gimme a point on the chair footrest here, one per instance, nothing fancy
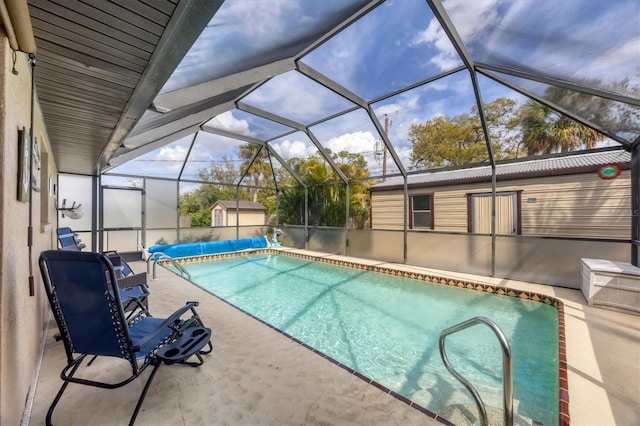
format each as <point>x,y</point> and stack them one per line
<point>192,340</point>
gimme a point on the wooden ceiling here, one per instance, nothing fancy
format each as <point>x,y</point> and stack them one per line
<point>100,64</point>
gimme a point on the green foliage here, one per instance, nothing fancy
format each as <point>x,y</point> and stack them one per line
<point>529,130</point>
<point>457,141</point>
<point>197,204</point>
<point>326,198</point>
<point>256,166</point>
<point>545,131</point>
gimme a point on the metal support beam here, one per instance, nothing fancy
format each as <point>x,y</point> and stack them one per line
<point>492,162</point>
<point>184,27</point>
<point>554,106</point>
<point>635,205</point>
<point>346,225</point>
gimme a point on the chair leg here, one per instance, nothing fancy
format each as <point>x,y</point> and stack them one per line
<point>156,365</point>
<point>92,359</point>
<point>59,395</point>
<point>208,351</point>
<point>193,363</point>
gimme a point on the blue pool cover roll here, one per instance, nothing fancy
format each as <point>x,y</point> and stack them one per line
<point>208,247</point>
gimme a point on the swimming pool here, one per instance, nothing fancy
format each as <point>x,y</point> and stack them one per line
<point>387,328</point>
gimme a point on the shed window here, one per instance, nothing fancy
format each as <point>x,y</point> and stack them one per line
<point>422,211</point>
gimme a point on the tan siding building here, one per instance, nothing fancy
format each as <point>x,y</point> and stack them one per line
<point>223,213</point>
<point>561,201</point>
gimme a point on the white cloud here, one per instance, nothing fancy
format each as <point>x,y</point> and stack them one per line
<point>169,153</point>
<point>471,19</point>
<point>288,149</point>
<point>226,121</point>
<point>260,22</point>
<point>357,142</point>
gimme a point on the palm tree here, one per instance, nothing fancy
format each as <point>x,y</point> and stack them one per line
<point>545,131</point>
<point>260,168</point>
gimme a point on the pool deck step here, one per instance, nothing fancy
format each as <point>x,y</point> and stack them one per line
<point>467,414</point>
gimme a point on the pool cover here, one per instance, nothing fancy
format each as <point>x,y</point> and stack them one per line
<point>208,247</point>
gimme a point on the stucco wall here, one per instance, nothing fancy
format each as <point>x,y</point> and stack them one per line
<point>22,316</point>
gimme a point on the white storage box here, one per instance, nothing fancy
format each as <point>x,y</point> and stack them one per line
<point>609,283</point>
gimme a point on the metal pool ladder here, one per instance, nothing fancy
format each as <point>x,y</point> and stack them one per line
<point>506,367</point>
<point>161,256</point>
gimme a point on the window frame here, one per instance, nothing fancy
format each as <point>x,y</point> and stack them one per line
<point>517,208</point>
<point>412,211</point>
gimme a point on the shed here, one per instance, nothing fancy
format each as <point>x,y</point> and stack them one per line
<point>557,195</point>
<point>232,213</point>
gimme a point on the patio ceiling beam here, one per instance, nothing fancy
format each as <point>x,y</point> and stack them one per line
<point>418,84</point>
<point>184,27</point>
<point>194,120</point>
<point>330,84</point>
<point>386,140</point>
<point>278,119</point>
<point>326,156</point>
<point>130,154</point>
<point>198,92</point>
<point>368,7</point>
<point>186,158</point>
<point>195,113</point>
<point>286,165</point>
<point>270,116</point>
<point>541,78</point>
<point>442,16</point>
<point>228,134</point>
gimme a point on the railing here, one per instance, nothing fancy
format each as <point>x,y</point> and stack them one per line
<point>161,256</point>
<point>506,368</point>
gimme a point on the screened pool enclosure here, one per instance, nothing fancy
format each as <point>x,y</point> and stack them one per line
<point>310,108</point>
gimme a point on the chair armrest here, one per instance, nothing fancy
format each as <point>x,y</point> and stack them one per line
<point>165,324</point>
<point>131,280</point>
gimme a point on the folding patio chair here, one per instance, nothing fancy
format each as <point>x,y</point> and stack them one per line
<point>83,294</point>
<point>68,239</point>
<point>134,291</point>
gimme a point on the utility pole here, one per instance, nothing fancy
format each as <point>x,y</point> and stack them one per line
<point>387,123</point>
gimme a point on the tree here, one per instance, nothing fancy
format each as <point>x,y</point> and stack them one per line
<point>197,204</point>
<point>326,193</point>
<point>457,141</point>
<point>256,157</point>
<point>545,130</point>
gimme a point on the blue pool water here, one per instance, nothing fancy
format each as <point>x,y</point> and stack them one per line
<point>387,328</point>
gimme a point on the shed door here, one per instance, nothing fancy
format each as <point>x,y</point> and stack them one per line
<point>506,213</point>
<point>217,218</point>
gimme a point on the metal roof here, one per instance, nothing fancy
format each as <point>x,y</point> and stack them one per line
<point>556,165</point>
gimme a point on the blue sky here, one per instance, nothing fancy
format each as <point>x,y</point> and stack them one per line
<point>398,44</point>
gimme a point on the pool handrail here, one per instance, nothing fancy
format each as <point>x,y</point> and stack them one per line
<point>161,256</point>
<point>506,367</point>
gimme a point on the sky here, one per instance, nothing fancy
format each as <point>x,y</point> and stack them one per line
<point>399,43</point>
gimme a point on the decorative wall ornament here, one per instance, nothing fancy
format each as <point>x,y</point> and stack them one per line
<point>609,171</point>
<point>24,172</point>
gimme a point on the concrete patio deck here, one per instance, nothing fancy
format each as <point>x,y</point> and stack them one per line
<point>257,376</point>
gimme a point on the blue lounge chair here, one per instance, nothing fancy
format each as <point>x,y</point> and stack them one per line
<point>134,291</point>
<point>83,295</point>
<point>68,239</point>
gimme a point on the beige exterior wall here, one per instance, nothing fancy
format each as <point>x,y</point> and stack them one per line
<point>572,205</point>
<point>22,317</point>
<point>247,217</point>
